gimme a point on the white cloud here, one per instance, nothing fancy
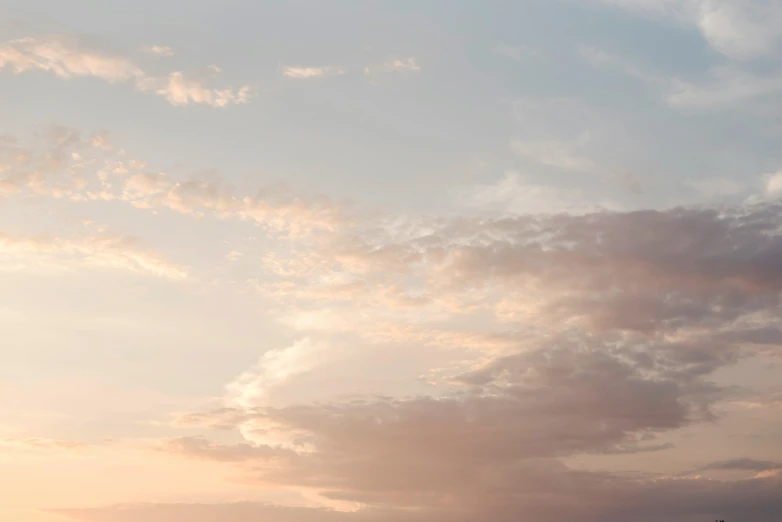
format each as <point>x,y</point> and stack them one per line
<point>312,72</point>
<point>66,58</point>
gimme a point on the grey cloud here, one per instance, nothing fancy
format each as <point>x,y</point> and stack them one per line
<point>202,448</point>
<point>662,298</point>
<point>557,497</point>
<point>742,464</point>
<point>518,413</point>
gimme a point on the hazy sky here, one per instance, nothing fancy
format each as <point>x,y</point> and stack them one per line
<point>390,261</point>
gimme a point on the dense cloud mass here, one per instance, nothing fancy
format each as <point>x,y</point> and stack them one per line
<point>639,310</point>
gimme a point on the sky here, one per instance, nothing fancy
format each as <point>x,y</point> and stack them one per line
<point>390,261</point>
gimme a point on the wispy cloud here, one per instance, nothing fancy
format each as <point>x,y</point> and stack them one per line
<point>312,72</point>
<point>66,58</point>
<point>160,51</point>
<point>724,86</point>
<point>106,251</point>
<point>409,64</point>
<point>39,444</point>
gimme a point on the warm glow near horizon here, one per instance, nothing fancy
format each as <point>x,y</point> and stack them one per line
<point>391,261</point>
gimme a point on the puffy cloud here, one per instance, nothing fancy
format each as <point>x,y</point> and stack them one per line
<point>65,57</point>
<point>496,434</point>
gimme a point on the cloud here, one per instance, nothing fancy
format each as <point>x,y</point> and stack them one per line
<point>512,194</point>
<point>312,72</point>
<point>741,464</point>
<point>275,206</point>
<point>39,444</point>
<point>275,367</point>
<point>600,334</point>
<point>774,183</point>
<point>739,29</point>
<point>159,50</point>
<point>52,166</point>
<point>717,187</point>
<point>62,163</point>
<point>548,495</point>
<point>408,64</point>
<point>721,86</point>
<point>106,252</point>
<point>726,86</point>
<point>595,56</point>
<point>201,448</point>
<point>181,90</point>
<point>65,57</point>
<point>568,135</point>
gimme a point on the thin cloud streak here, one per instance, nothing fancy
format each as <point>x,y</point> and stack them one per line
<point>64,57</point>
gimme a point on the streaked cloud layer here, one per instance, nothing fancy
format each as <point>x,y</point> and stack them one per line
<point>443,264</point>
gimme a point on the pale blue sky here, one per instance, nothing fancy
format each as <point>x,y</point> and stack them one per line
<point>350,138</point>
